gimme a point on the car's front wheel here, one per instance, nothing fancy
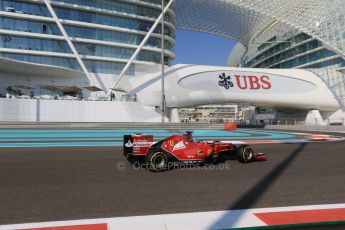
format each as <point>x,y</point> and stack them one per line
<point>245,154</point>
<point>157,161</point>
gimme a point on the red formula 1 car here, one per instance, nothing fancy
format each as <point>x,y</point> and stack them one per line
<point>183,149</point>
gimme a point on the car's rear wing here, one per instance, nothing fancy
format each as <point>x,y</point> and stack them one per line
<point>136,144</point>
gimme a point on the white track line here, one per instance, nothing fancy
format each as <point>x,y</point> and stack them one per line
<point>194,221</point>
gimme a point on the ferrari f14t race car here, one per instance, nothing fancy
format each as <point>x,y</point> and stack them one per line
<point>183,149</point>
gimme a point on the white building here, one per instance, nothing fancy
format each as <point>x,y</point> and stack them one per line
<point>88,43</point>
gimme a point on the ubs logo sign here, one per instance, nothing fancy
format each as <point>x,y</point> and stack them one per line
<point>243,82</point>
<point>225,81</point>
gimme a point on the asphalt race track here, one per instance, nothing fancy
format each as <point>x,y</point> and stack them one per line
<point>64,183</point>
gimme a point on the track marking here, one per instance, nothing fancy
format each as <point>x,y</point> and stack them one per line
<point>75,227</point>
<point>300,217</point>
<point>111,138</point>
<point>197,220</point>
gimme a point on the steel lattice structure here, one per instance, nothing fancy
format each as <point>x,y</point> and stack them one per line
<point>241,20</point>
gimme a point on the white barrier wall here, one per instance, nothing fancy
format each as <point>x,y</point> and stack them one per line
<point>35,110</point>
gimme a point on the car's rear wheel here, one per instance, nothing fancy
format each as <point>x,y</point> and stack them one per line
<point>245,154</point>
<point>157,161</point>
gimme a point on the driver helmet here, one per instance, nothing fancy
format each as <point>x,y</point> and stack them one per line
<point>189,135</point>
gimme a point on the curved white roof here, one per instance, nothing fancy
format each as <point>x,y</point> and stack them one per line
<point>192,85</point>
<point>242,19</point>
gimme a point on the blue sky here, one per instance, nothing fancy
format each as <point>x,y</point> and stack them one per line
<point>201,48</point>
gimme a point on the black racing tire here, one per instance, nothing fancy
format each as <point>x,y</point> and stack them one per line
<point>156,161</point>
<point>245,154</point>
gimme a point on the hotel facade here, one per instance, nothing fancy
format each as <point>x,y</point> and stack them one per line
<point>50,47</point>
